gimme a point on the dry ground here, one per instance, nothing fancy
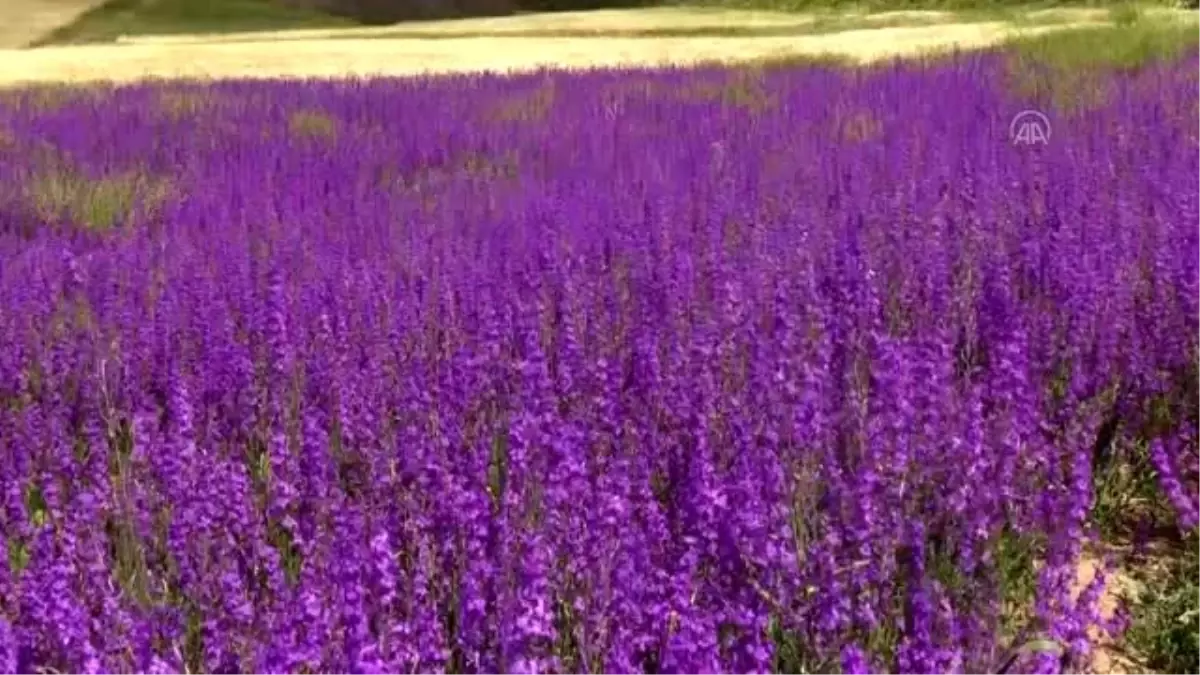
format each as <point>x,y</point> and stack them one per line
<point>494,44</point>
<point>599,21</point>
<point>1107,657</point>
<point>650,19</point>
<point>374,56</point>
<point>23,21</point>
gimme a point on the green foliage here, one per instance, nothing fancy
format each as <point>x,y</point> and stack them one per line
<point>60,195</point>
<point>1165,629</point>
<point>1125,489</point>
<point>1124,14</point>
<point>1016,559</point>
<point>1068,69</point>
<point>1113,46</point>
<point>894,5</point>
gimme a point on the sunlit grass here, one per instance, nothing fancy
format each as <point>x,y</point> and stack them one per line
<point>64,196</point>
<point>1068,69</point>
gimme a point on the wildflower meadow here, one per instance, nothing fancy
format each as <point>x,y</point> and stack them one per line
<point>776,369</point>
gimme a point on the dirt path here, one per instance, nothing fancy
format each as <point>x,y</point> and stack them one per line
<point>1107,658</point>
<point>24,21</point>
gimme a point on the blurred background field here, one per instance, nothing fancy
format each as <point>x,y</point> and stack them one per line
<point>605,38</point>
<point>100,21</point>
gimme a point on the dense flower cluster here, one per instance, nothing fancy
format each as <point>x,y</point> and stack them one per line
<point>675,372</point>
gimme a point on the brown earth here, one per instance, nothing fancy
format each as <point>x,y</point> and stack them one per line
<point>1107,657</point>
<point>26,20</point>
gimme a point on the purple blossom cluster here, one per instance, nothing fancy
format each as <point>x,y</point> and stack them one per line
<point>684,371</point>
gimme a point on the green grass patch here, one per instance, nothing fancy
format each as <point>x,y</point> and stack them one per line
<point>908,5</point>
<point>1070,70</point>
<point>1132,41</point>
<point>153,17</point>
<point>1124,14</point>
<point>1165,627</point>
<point>62,196</point>
<point>1126,490</point>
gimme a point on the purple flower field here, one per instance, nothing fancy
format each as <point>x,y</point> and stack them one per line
<point>689,371</point>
